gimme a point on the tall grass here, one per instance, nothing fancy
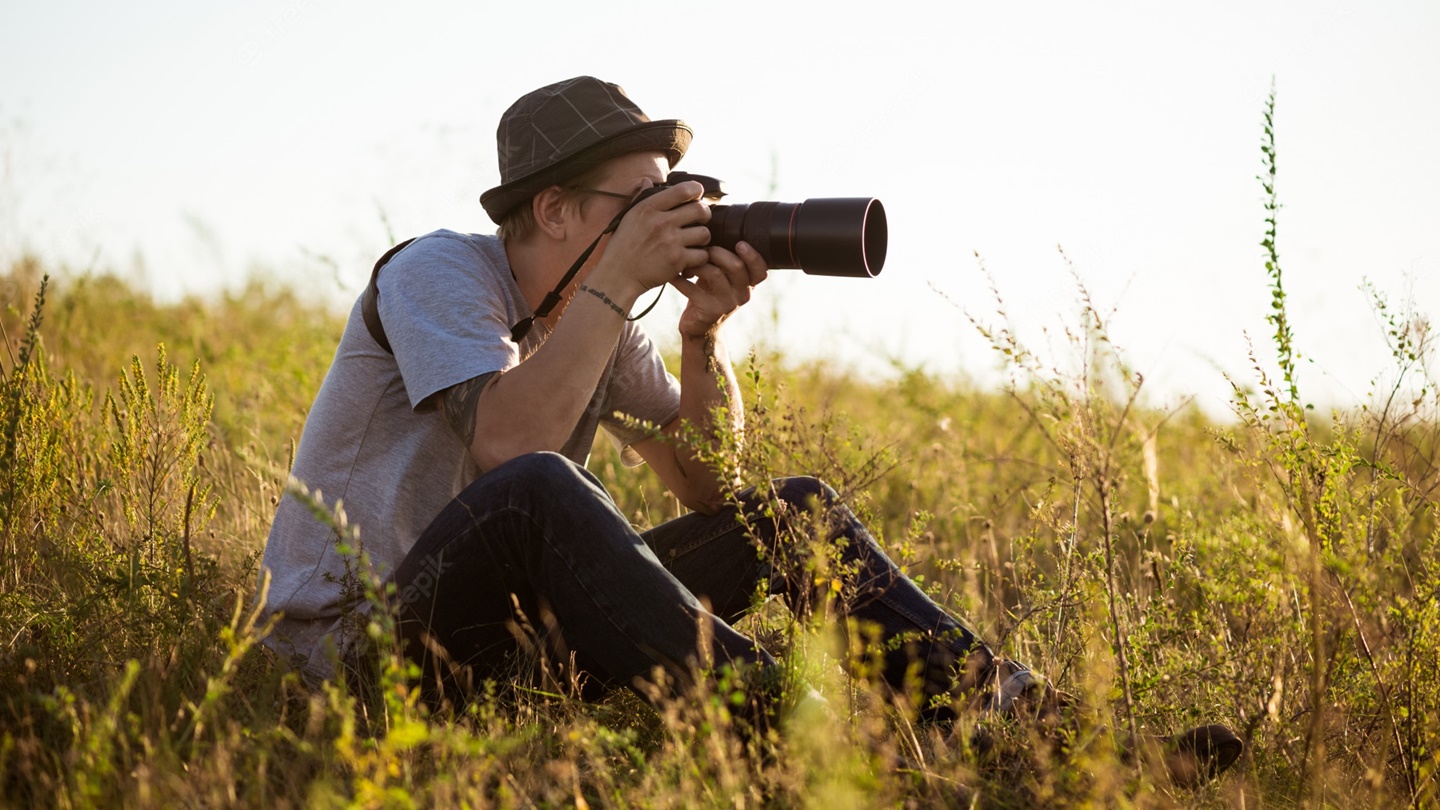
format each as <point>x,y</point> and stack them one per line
<point>1278,572</point>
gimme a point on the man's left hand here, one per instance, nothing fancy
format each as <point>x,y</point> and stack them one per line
<point>721,286</point>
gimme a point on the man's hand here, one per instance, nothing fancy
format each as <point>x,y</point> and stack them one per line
<point>721,286</point>
<point>663,236</point>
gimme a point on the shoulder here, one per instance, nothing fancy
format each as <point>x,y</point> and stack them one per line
<point>444,247</point>
<point>447,261</point>
<point>447,302</point>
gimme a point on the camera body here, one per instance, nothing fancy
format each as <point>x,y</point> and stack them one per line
<point>825,236</point>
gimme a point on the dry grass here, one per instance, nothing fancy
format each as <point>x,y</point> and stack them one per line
<point>1278,573</point>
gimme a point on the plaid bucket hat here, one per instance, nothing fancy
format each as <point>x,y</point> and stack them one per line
<point>567,128</point>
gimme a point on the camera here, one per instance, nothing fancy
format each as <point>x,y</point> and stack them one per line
<point>824,236</point>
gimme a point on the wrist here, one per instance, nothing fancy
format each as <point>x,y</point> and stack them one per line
<point>599,295</point>
<point>621,290</point>
<point>704,337</point>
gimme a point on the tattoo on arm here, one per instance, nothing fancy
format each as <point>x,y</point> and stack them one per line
<point>459,401</point>
<point>708,349</point>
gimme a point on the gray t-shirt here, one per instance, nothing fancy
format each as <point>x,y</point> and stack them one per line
<point>376,441</point>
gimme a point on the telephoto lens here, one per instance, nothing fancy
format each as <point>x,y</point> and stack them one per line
<point>824,236</point>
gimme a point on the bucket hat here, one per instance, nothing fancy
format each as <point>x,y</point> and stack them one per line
<point>568,128</point>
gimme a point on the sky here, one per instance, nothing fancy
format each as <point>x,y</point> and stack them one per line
<point>192,145</point>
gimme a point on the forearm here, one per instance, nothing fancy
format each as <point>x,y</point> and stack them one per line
<point>536,405</point>
<point>708,392</point>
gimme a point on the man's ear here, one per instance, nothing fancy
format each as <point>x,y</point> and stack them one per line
<point>550,212</point>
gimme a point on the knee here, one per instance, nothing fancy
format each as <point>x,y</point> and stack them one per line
<point>542,463</point>
<point>800,502</point>
<point>544,474</point>
<point>804,493</point>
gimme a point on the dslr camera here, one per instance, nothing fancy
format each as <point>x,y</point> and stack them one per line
<point>823,236</point>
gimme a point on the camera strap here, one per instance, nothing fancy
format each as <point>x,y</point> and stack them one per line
<point>370,301</point>
<point>521,329</point>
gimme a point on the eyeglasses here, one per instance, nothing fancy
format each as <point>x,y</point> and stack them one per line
<point>601,192</point>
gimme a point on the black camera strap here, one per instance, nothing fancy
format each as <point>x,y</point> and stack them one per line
<point>370,301</point>
<point>521,329</point>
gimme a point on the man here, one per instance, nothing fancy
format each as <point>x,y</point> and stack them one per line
<point>455,437</point>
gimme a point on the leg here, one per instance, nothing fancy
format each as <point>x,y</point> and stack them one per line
<point>718,559</point>
<point>722,559</point>
<point>542,529</point>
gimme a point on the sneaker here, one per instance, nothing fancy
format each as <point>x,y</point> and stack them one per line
<point>1190,758</point>
<point>1196,756</point>
<point>1010,689</point>
<point>1014,690</point>
<point>810,708</point>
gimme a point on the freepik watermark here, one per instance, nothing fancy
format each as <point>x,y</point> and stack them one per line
<point>423,585</point>
<point>273,32</point>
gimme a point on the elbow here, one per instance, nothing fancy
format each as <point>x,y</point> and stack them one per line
<point>488,458</point>
<point>707,508</point>
<point>698,490</point>
<point>490,451</point>
<point>706,503</point>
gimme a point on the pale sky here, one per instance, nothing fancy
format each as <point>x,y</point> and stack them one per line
<point>190,143</point>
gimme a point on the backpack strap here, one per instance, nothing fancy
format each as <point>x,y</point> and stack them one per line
<point>370,301</point>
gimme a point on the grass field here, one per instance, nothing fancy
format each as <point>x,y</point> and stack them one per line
<point>1278,572</point>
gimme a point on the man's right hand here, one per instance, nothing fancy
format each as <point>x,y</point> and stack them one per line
<point>657,240</point>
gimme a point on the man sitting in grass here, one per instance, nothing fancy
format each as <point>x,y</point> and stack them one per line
<point>456,421</point>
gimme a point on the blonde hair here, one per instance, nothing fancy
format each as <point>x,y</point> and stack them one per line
<point>520,222</point>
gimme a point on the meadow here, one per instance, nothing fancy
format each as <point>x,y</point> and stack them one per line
<point>1278,571</point>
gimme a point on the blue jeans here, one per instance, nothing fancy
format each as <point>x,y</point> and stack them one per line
<point>534,554</point>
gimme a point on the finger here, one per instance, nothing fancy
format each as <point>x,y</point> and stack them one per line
<point>675,207</point>
<point>725,259</point>
<point>700,279</point>
<point>702,299</point>
<point>721,284</point>
<point>686,287</point>
<point>675,196</point>
<point>694,257</point>
<point>736,273</point>
<point>691,213</point>
<point>693,190</point>
<point>755,265</point>
<point>694,236</point>
<point>712,278</point>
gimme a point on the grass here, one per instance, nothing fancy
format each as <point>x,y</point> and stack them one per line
<point>1279,572</point>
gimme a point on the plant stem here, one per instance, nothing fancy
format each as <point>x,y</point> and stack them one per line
<point>1120,643</point>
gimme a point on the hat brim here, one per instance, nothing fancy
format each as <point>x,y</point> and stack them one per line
<point>670,136</point>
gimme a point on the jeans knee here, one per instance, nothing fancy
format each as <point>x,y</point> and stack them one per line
<point>807,507</point>
<point>804,492</point>
<point>542,464</point>
<point>543,474</point>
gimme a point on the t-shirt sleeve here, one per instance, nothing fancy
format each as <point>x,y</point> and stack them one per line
<point>640,388</point>
<point>445,312</point>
